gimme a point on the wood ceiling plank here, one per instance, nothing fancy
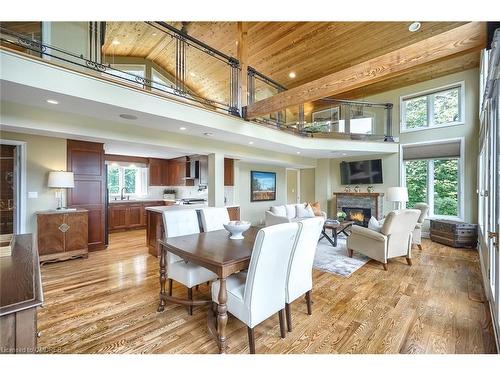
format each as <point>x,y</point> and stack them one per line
<point>460,40</point>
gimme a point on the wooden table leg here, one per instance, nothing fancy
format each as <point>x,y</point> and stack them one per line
<point>163,277</point>
<point>222,316</point>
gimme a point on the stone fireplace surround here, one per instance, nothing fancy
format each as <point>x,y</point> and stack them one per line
<point>372,201</point>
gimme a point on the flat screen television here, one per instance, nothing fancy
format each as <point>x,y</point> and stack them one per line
<point>361,172</point>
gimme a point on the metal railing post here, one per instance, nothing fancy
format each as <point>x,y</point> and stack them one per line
<point>388,127</point>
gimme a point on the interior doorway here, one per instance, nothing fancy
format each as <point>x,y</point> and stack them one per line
<point>8,192</point>
<point>292,186</point>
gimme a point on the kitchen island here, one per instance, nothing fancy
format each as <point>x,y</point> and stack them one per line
<point>154,222</point>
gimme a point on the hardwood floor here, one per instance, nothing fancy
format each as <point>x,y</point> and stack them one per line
<point>107,304</point>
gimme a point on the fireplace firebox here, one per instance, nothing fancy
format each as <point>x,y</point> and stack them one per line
<point>360,215</point>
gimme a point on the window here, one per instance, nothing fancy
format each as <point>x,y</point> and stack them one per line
<point>133,179</point>
<point>432,174</point>
<point>128,71</point>
<point>159,81</point>
<point>442,107</point>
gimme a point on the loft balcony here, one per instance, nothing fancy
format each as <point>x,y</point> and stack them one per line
<point>160,59</point>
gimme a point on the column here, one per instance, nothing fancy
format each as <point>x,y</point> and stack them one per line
<point>323,184</point>
<point>216,180</point>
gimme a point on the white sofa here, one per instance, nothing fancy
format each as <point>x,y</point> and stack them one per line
<point>286,214</point>
<point>417,233</point>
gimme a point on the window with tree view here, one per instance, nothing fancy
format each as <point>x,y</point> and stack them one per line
<point>133,180</point>
<point>438,108</point>
<point>436,182</point>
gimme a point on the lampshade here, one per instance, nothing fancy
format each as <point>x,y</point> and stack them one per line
<point>61,179</point>
<point>397,194</point>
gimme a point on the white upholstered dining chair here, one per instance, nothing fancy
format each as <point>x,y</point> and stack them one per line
<point>299,277</point>
<point>257,294</point>
<point>213,218</point>
<point>181,223</point>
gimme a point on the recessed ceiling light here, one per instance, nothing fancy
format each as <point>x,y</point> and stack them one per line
<point>154,34</point>
<point>415,26</point>
<point>115,42</point>
<point>298,152</point>
<point>209,134</point>
<point>292,75</point>
<point>192,74</point>
<point>250,143</point>
<point>52,101</point>
<point>343,154</point>
<point>126,116</point>
<point>182,128</point>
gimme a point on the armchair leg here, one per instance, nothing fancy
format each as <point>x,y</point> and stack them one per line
<point>349,252</point>
<point>408,260</point>
<point>251,340</point>
<point>288,312</point>
<point>281,315</point>
<point>190,296</point>
<point>385,266</point>
<point>308,301</point>
<point>419,246</point>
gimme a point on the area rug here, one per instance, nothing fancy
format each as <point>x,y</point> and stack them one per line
<point>335,260</point>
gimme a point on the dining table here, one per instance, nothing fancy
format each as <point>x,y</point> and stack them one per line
<point>215,251</point>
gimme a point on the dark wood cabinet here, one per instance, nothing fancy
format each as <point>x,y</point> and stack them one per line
<point>158,172</point>
<point>62,234</point>
<point>228,172</point>
<point>130,215</point>
<point>86,161</point>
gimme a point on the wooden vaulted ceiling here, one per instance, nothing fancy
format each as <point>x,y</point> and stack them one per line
<point>310,49</point>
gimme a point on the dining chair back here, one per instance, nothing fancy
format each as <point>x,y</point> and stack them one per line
<point>179,223</point>
<point>213,218</point>
<point>266,277</point>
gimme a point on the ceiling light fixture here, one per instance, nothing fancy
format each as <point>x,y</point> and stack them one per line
<point>182,128</point>
<point>292,75</point>
<point>126,116</point>
<point>192,74</point>
<point>415,26</point>
<point>52,101</point>
<point>209,134</point>
<point>154,34</point>
<point>115,42</point>
<point>250,143</point>
<point>298,152</point>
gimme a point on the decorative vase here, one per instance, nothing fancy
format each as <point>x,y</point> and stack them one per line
<point>347,189</point>
<point>236,228</point>
<point>370,189</point>
<point>357,189</point>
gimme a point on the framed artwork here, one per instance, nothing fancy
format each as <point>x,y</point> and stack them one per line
<point>331,114</point>
<point>262,186</point>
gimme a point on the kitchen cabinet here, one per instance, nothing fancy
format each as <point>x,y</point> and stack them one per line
<point>228,172</point>
<point>177,172</point>
<point>62,234</point>
<point>158,172</point>
<point>129,215</point>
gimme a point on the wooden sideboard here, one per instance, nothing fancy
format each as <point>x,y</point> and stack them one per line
<point>20,295</point>
<point>62,234</point>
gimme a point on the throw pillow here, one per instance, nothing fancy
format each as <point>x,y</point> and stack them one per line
<point>291,211</point>
<point>373,224</point>
<point>278,210</point>
<point>303,212</point>
<point>316,208</point>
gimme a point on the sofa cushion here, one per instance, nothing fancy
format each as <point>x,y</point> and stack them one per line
<point>304,211</point>
<point>278,210</point>
<point>373,224</point>
<point>291,211</point>
<point>316,208</point>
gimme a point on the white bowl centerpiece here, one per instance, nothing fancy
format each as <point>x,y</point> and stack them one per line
<point>236,228</point>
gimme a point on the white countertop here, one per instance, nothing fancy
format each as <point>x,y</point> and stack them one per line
<point>160,209</point>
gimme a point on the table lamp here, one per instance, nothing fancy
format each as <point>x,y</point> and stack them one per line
<point>397,194</point>
<point>61,180</point>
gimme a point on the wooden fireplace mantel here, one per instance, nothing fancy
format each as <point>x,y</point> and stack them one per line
<point>360,194</point>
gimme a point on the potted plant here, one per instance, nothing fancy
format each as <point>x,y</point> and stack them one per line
<point>341,215</point>
<point>169,194</point>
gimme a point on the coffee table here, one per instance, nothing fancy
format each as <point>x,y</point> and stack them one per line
<point>336,229</point>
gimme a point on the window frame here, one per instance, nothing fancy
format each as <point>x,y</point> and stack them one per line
<point>430,107</point>
<point>142,174</point>
<point>430,187</point>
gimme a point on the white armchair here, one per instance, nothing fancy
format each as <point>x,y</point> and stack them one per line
<point>213,218</point>
<point>180,223</point>
<point>394,239</point>
<point>289,213</point>
<point>417,232</point>
<point>256,295</point>
<point>299,278</point>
